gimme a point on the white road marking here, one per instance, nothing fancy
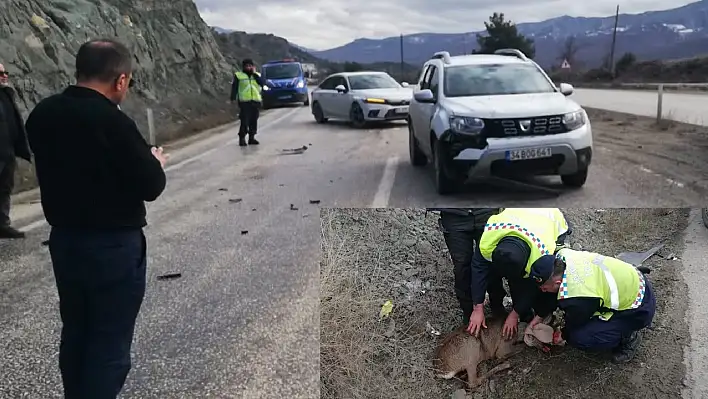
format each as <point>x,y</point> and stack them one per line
<point>39,223</point>
<point>230,142</point>
<point>651,172</point>
<point>383,193</point>
<point>668,180</point>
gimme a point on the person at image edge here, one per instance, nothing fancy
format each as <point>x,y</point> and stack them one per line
<point>13,143</point>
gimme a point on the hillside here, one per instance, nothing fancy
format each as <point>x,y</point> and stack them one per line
<point>236,46</point>
<point>180,72</point>
<point>670,34</point>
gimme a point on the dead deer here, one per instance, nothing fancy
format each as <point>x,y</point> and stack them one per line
<point>460,351</point>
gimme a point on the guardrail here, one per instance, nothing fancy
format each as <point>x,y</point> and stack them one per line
<point>660,92</point>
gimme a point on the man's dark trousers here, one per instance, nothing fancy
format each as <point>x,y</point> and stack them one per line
<point>100,277</point>
<point>598,335</point>
<point>7,183</point>
<point>462,234</point>
<point>249,112</point>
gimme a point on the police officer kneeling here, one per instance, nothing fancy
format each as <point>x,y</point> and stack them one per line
<point>512,241</point>
<point>606,301</point>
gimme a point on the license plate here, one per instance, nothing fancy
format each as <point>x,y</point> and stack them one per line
<point>528,153</point>
<point>402,110</point>
<point>283,97</point>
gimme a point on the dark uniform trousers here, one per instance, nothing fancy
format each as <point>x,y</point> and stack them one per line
<point>249,112</point>
<point>100,277</point>
<point>7,183</point>
<point>599,335</point>
<point>462,235</point>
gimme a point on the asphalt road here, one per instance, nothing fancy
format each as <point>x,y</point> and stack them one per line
<point>243,320</point>
<point>681,107</point>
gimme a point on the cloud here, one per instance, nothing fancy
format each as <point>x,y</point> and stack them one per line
<point>323,24</point>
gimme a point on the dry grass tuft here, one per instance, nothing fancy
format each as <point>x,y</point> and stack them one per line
<point>355,344</point>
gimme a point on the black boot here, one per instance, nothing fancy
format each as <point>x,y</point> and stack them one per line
<point>242,141</point>
<point>10,232</point>
<point>627,349</point>
<point>252,140</point>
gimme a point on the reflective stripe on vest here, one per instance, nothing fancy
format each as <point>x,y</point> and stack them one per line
<point>248,87</point>
<point>537,228</point>
<point>582,275</point>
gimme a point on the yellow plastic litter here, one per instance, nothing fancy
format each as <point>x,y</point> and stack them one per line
<point>386,309</point>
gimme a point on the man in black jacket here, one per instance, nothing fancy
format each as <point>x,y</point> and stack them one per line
<point>462,229</point>
<point>13,143</point>
<point>95,171</point>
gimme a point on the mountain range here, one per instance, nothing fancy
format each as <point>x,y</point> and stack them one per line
<point>669,34</point>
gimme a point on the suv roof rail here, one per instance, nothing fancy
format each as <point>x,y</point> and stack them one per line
<point>442,55</point>
<point>512,52</point>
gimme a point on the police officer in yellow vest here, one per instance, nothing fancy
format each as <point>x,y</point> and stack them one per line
<point>606,301</point>
<point>246,89</point>
<point>512,241</point>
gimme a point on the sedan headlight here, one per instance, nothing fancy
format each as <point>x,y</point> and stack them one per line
<point>466,125</point>
<point>375,100</point>
<point>300,84</point>
<point>575,120</point>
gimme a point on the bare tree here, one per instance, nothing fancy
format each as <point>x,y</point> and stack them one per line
<point>569,50</point>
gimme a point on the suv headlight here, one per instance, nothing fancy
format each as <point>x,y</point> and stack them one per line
<point>266,88</point>
<point>575,120</point>
<point>300,84</point>
<point>466,125</point>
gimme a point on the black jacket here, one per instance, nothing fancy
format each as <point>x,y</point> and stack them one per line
<point>464,219</point>
<point>94,168</point>
<point>9,146</point>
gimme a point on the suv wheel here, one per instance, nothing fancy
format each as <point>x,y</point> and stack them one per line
<point>575,180</point>
<point>443,183</point>
<point>416,155</point>
<point>317,113</point>
<point>307,101</point>
<point>356,116</point>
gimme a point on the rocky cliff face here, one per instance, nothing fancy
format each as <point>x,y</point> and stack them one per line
<point>180,72</point>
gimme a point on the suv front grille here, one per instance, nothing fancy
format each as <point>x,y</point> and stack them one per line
<point>499,128</point>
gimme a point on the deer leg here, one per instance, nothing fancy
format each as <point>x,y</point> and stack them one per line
<point>497,369</point>
<point>473,379</point>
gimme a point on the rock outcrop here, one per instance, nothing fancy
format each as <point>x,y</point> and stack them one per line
<point>180,71</point>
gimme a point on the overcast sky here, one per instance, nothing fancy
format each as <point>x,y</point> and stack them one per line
<point>324,24</point>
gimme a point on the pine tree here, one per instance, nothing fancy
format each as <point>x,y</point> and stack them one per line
<point>503,34</point>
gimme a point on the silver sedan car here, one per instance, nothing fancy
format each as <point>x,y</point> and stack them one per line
<point>361,97</point>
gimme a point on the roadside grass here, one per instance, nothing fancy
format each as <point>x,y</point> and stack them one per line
<point>370,256</point>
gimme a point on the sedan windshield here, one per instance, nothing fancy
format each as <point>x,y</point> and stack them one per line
<point>281,71</point>
<point>489,80</point>
<point>372,81</point>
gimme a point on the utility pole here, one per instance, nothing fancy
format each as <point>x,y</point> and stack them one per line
<point>614,42</point>
<point>402,72</point>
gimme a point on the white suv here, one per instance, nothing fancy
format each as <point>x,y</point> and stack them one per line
<point>478,115</point>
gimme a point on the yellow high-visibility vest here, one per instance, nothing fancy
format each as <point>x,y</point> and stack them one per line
<point>618,284</point>
<point>538,227</point>
<point>248,87</point>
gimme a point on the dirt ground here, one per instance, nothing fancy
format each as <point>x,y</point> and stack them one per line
<point>374,255</point>
<point>673,149</point>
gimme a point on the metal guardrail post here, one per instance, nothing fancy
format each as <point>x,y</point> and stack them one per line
<point>151,126</point>
<point>660,99</point>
